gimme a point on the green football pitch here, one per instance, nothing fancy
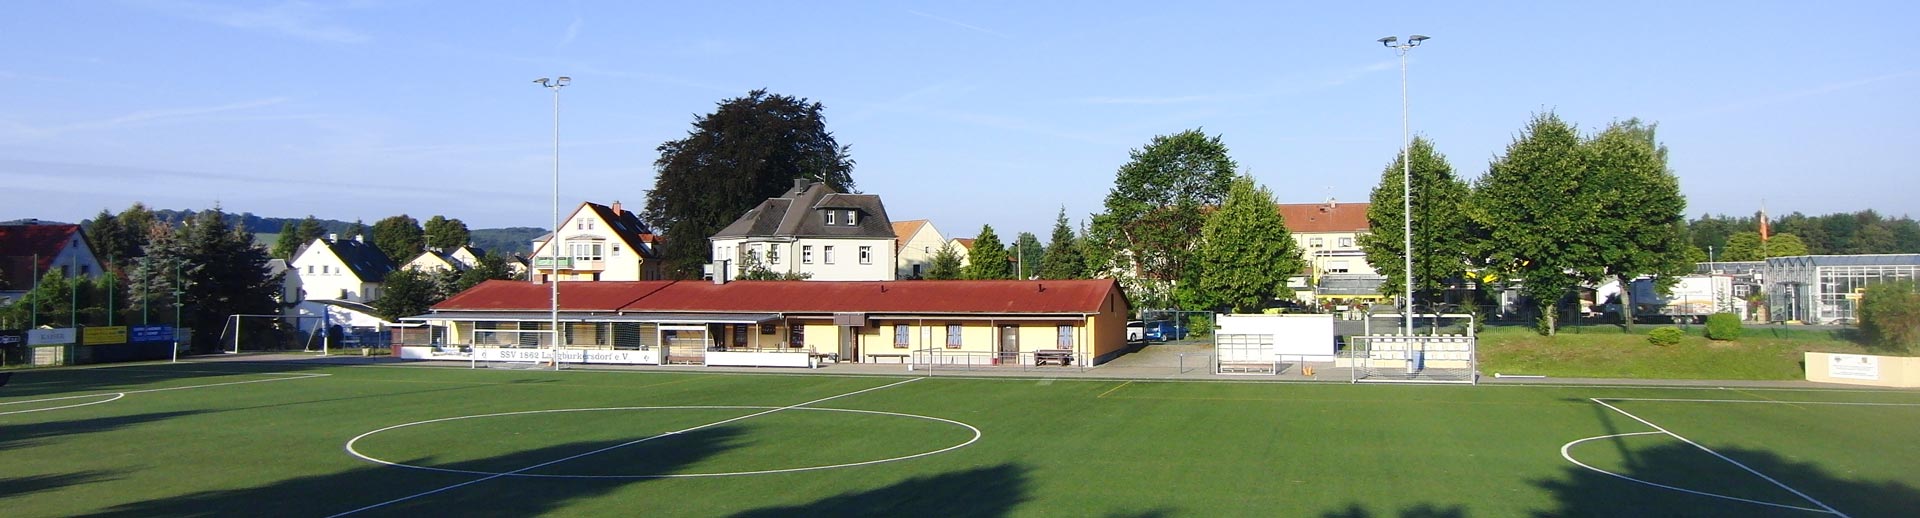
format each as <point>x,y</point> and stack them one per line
<point>291,439</point>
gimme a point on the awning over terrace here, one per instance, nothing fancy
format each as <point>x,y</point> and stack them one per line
<point>662,318</point>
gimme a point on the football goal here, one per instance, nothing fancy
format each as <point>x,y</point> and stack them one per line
<point>275,333</point>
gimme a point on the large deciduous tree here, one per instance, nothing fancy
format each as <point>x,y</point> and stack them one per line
<point>400,237</point>
<point>1441,242</point>
<point>1537,221</point>
<point>988,259</point>
<point>1154,212</point>
<point>749,149</point>
<point>1641,227</point>
<point>1063,259</point>
<point>1246,253</point>
<point>1747,246</point>
<point>407,292</point>
<point>446,234</point>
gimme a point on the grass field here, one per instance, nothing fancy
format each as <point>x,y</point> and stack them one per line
<point>234,439</point>
<point>1606,351</point>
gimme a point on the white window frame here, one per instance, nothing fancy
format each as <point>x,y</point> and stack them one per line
<point>830,215</point>
<point>866,255</point>
<point>1065,338</point>
<point>806,254</point>
<point>853,217</point>
<point>826,254</point>
<point>955,336</point>
<point>901,336</point>
<point>1346,242</point>
<point>1315,242</point>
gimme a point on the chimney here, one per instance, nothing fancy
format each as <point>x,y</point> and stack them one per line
<point>616,208</point>
<point>333,238</point>
<point>358,238</point>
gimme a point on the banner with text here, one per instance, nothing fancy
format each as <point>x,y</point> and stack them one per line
<point>1854,366</point>
<point>107,335</point>
<point>144,334</point>
<point>63,335</point>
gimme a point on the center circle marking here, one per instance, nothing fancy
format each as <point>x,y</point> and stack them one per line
<point>369,458</point>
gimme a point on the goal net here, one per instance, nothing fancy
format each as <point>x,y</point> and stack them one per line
<point>275,333</point>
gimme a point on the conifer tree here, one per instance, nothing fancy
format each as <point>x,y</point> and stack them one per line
<point>988,259</point>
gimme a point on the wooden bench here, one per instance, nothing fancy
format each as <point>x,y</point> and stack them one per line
<point>1061,356</point>
<point>902,357</point>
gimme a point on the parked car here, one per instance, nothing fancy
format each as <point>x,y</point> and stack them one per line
<point>1136,331</point>
<point>1163,330</point>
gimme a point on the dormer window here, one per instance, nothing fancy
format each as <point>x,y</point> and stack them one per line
<point>830,215</point>
<point>852,219</point>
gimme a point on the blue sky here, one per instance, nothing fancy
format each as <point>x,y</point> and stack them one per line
<point>964,113</point>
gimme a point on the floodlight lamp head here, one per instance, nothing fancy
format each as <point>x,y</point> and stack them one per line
<point>563,81</point>
<point>1416,39</point>
<point>542,81</point>
<point>1388,41</point>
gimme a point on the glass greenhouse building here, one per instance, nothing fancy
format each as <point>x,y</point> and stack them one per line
<point>1826,289</point>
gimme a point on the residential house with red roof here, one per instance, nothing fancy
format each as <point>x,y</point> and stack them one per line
<point>813,230</point>
<point>915,244</point>
<point>1328,235</point>
<point>30,249</point>
<point>598,243</point>
<point>785,323</point>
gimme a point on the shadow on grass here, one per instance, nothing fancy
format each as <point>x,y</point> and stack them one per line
<point>108,379</point>
<point>1416,511</point>
<point>976,493</point>
<point>24,435</point>
<point>1582,492</point>
<point>361,489</point>
<point>16,486</point>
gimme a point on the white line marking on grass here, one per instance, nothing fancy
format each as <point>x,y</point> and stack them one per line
<point>116,397</point>
<point>1710,451</point>
<point>1567,454</point>
<point>610,448</point>
<point>1762,401</point>
<point>356,452</point>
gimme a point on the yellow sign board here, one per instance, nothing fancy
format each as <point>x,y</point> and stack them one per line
<point>104,335</point>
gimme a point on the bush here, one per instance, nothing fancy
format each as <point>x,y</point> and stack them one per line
<point>1890,315</point>
<point>1665,336</point>
<point>1723,326</point>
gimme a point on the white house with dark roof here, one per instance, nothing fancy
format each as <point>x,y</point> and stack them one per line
<point>815,230</point>
<point>337,279</point>
<point>459,259</point>
<point>598,243</point>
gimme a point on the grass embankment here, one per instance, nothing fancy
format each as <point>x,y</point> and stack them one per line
<point>1607,351</point>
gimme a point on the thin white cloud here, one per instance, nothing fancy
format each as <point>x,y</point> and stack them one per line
<point>960,24</point>
<point>1291,85</point>
<point>1180,99</point>
<point>1818,90</point>
<point>139,118</point>
<point>295,18</point>
<point>573,30</point>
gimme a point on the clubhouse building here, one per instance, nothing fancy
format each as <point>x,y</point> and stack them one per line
<point>780,323</point>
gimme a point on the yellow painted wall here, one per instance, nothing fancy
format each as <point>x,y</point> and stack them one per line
<point>1894,371</point>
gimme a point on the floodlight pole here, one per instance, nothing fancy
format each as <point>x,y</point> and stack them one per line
<point>176,310</point>
<point>553,241</point>
<point>1406,174</point>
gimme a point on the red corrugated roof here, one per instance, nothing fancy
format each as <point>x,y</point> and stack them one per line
<point>1325,217</point>
<point>19,243</point>
<point>931,297</point>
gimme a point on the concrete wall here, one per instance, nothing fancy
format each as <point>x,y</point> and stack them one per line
<point>1863,369</point>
